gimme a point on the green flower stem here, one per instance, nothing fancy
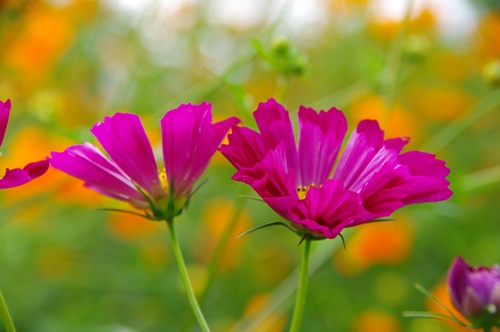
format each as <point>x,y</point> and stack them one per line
<point>219,251</point>
<point>300,299</point>
<point>185,278</point>
<point>4,313</point>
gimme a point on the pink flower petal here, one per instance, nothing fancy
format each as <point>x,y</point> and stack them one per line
<point>189,140</point>
<point>428,177</point>
<point>4,118</point>
<point>17,177</point>
<point>320,138</point>
<point>124,139</point>
<point>245,139</point>
<point>275,125</point>
<point>361,148</point>
<point>87,163</point>
<point>372,178</point>
<point>271,182</point>
<point>328,209</point>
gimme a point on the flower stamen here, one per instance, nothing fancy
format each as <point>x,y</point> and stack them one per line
<point>302,190</point>
<point>163,180</point>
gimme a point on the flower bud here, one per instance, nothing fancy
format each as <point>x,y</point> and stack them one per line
<point>491,73</point>
<point>475,292</point>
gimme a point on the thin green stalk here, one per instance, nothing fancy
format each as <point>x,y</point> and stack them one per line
<point>390,74</point>
<point>222,245</point>
<point>4,312</point>
<point>300,299</point>
<point>283,83</point>
<point>281,297</point>
<point>345,97</point>
<point>480,179</point>
<point>453,130</point>
<point>185,278</point>
<point>217,256</point>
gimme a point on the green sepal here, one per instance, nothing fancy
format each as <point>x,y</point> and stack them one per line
<point>198,187</point>
<point>252,198</point>
<point>432,315</point>
<point>422,314</point>
<point>275,223</point>
<point>379,220</point>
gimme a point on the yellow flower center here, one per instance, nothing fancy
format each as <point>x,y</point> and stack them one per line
<point>163,180</point>
<point>302,190</point>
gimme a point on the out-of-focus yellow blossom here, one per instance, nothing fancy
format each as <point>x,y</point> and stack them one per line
<point>217,217</point>
<point>26,144</point>
<point>272,264</point>
<point>71,191</point>
<point>376,321</point>
<point>30,143</point>
<point>39,40</point>
<point>424,21</point>
<point>441,104</point>
<point>441,292</point>
<point>131,227</point>
<point>155,254</point>
<point>396,122</point>
<point>388,29</point>
<point>273,323</point>
<point>377,243</point>
<point>452,67</point>
<point>260,87</point>
<point>488,40</point>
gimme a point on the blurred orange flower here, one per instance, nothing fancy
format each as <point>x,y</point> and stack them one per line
<point>376,243</point>
<point>155,254</point>
<point>376,321</point>
<point>132,228</point>
<point>441,104</point>
<point>453,67</point>
<point>129,227</point>
<point>387,29</point>
<point>217,217</point>
<point>346,7</point>
<point>488,42</point>
<point>45,33</point>
<point>441,292</point>
<point>273,323</point>
<point>27,144</point>
<point>396,122</point>
<point>32,142</point>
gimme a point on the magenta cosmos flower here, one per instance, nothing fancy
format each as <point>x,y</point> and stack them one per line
<point>17,176</point>
<point>189,139</point>
<point>371,180</point>
<point>475,292</point>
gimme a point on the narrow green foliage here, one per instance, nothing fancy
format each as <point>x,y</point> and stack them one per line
<point>275,223</point>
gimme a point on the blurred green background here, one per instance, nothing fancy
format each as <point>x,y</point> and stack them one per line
<point>426,69</point>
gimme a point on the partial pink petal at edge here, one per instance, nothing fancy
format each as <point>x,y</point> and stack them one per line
<point>17,176</point>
